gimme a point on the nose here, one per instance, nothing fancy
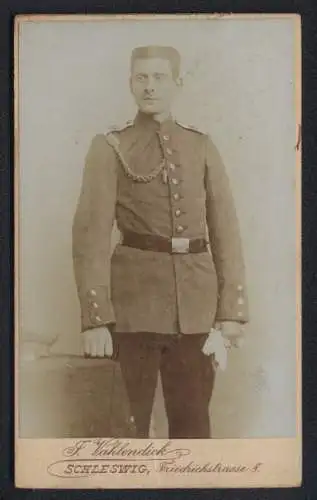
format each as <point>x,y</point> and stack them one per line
<point>149,87</point>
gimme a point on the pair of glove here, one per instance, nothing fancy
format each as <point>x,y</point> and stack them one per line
<point>217,345</point>
<point>98,342</point>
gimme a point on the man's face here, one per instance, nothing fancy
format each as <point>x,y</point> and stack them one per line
<point>153,85</point>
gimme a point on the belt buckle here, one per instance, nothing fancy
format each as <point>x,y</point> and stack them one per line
<point>180,245</point>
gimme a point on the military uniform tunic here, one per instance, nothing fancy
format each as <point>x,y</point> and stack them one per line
<point>147,291</point>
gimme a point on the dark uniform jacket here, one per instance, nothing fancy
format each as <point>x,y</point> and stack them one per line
<point>147,291</point>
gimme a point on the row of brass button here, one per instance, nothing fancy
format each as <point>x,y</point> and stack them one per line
<point>176,196</point>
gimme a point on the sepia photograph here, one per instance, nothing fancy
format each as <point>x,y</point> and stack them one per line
<point>157,209</point>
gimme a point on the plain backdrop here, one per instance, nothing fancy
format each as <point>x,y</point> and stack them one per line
<point>239,87</point>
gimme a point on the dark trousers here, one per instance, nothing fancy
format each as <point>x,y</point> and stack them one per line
<point>187,379</point>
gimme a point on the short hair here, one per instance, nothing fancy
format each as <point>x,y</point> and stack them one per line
<point>157,51</point>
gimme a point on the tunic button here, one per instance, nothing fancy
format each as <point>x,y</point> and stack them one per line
<point>240,301</point>
<point>172,166</point>
<point>98,319</point>
<point>175,181</point>
<point>177,212</point>
<point>93,293</point>
<point>179,229</point>
<point>240,288</point>
<point>240,314</point>
<point>166,137</point>
<point>168,151</point>
<point>95,305</point>
<point>176,196</point>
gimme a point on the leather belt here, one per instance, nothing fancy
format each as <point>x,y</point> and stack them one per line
<point>156,243</point>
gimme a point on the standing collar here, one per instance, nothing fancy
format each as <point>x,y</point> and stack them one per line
<point>146,121</point>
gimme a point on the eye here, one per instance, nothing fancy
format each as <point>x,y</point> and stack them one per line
<point>140,78</point>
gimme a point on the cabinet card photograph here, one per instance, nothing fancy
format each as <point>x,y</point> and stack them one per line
<point>157,216</point>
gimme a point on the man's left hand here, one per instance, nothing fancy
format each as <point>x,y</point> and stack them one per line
<point>232,332</point>
<point>223,336</point>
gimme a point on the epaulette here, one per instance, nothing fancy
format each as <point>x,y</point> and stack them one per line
<point>190,127</point>
<point>112,138</point>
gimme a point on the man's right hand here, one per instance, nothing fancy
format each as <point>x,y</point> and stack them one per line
<point>97,342</point>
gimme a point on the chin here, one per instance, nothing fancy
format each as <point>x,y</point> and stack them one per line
<point>150,109</point>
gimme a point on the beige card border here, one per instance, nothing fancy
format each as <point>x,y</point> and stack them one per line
<point>280,459</point>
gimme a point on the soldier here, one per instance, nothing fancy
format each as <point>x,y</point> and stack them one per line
<point>173,291</point>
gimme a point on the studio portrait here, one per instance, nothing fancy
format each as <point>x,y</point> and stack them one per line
<point>156,211</point>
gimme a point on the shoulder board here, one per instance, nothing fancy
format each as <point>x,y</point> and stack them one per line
<point>190,127</point>
<point>112,137</point>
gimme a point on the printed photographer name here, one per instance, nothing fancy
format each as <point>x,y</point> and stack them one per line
<point>117,448</point>
<point>89,457</point>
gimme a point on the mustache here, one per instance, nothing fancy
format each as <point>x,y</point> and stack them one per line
<point>149,93</point>
<point>149,96</point>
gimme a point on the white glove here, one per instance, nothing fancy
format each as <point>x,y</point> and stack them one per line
<point>97,342</point>
<point>216,344</point>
